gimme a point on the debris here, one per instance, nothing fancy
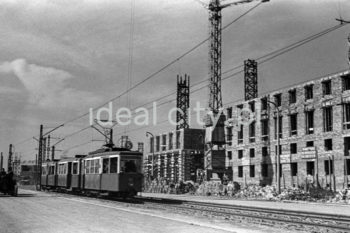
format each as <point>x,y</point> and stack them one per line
<point>234,190</point>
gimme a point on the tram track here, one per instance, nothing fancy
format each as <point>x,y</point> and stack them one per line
<point>288,219</point>
<point>304,221</point>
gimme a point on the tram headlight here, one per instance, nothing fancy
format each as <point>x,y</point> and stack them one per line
<point>131,182</point>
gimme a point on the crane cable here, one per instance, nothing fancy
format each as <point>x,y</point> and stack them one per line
<point>276,52</point>
<point>157,72</point>
<point>131,53</point>
<point>265,58</point>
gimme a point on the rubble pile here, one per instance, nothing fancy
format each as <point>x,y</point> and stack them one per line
<point>257,192</point>
<point>342,196</point>
<point>294,194</point>
<point>210,188</point>
<point>233,190</point>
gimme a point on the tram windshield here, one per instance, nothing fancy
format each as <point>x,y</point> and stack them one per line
<point>130,165</point>
<point>43,170</point>
<point>51,169</point>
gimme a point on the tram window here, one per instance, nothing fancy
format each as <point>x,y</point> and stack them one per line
<point>129,166</point>
<point>64,168</point>
<point>75,168</point>
<point>51,170</point>
<point>97,166</point>
<point>87,166</point>
<point>92,165</point>
<point>105,165</point>
<point>43,171</point>
<point>61,169</point>
<point>114,165</point>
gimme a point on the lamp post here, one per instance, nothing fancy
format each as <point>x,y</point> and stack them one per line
<point>201,139</point>
<point>278,147</point>
<point>152,149</point>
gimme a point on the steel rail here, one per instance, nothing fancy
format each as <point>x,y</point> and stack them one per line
<point>299,218</point>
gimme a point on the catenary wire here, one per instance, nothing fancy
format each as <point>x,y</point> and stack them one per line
<point>275,54</point>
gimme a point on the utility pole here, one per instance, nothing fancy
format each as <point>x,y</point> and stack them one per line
<point>9,162</point>
<point>40,158</point>
<point>48,148</point>
<point>40,153</point>
<point>36,171</point>
<point>1,161</point>
<point>44,149</point>
<point>53,153</point>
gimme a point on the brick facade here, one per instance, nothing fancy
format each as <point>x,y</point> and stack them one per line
<point>177,155</point>
<point>315,130</point>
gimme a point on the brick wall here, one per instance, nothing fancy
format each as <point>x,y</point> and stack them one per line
<point>303,155</point>
<point>176,159</point>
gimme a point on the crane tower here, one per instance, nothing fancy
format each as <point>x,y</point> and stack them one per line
<point>182,102</point>
<point>215,136</point>
<point>215,27</point>
<point>349,49</point>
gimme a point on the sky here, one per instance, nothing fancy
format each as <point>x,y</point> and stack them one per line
<point>59,58</point>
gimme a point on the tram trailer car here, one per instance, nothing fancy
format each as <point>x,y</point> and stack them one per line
<point>76,180</point>
<point>49,175</point>
<point>117,172</point>
<point>114,171</point>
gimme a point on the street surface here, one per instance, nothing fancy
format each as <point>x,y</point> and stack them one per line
<point>39,212</point>
<point>317,207</point>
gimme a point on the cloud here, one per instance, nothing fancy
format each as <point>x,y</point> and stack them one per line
<point>8,90</point>
<point>47,86</point>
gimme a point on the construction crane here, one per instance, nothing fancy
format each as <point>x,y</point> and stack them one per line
<point>214,158</point>
<point>342,21</point>
<point>215,7</point>
<point>349,49</point>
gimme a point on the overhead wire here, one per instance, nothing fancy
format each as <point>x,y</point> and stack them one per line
<point>279,52</point>
<point>267,57</point>
<point>161,69</point>
<point>274,54</point>
<point>131,52</point>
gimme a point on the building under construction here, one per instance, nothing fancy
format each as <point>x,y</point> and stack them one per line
<point>176,155</point>
<point>314,131</point>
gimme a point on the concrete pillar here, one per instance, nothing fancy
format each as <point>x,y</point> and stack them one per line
<point>159,166</point>
<point>176,167</point>
<point>180,162</point>
<point>172,165</point>
<point>165,166</point>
